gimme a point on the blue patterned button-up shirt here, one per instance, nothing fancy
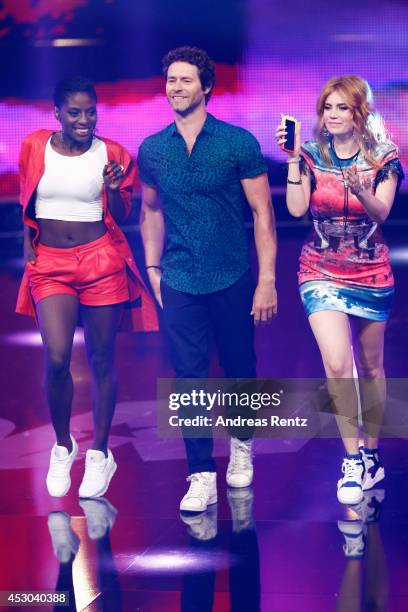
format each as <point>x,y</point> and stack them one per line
<point>206,247</point>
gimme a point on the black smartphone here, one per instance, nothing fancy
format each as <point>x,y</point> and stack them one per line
<point>289,124</point>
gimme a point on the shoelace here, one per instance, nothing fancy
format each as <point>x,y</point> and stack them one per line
<point>197,485</point>
<point>241,456</point>
<point>96,465</point>
<point>59,466</point>
<point>350,469</point>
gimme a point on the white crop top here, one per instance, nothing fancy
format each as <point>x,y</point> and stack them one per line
<point>71,187</point>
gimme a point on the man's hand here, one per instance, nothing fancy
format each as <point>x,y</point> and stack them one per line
<point>265,303</point>
<point>154,275</point>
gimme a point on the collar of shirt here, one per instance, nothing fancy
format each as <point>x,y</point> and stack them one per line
<point>209,126</point>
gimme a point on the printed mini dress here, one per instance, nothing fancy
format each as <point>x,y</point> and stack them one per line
<point>344,263</point>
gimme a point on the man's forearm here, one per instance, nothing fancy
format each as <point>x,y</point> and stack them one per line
<point>152,231</point>
<point>266,246</point>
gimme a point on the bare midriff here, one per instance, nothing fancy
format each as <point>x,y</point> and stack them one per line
<point>65,234</point>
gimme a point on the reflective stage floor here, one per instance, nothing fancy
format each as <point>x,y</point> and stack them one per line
<point>285,545</point>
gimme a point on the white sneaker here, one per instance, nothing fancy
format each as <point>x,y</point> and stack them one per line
<point>202,526</point>
<point>202,492</point>
<point>374,469</point>
<point>98,473</point>
<point>100,516</point>
<point>65,542</point>
<point>58,478</point>
<point>240,470</point>
<point>349,488</point>
<point>354,538</point>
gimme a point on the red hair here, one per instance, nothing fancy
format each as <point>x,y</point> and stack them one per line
<point>368,126</point>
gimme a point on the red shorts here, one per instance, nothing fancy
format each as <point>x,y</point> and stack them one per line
<point>95,273</point>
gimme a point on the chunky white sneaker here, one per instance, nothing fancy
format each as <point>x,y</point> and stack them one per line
<point>349,488</point>
<point>65,542</point>
<point>354,538</point>
<point>58,478</point>
<point>240,470</point>
<point>202,492</point>
<point>100,516</point>
<point>202,526</point>
<point>374,469</point>
<point>98,473</point>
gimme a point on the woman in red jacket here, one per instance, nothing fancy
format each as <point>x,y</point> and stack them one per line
<point>75,189</point>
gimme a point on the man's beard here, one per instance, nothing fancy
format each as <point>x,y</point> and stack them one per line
<point>187,111</point>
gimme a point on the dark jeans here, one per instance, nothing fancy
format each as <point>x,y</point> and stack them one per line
<point>188,320</point>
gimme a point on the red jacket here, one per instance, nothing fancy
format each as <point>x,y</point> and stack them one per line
<point>140,312</point>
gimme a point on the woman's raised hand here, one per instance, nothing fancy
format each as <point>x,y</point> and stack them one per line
<point>280,136</point>
<point>113,175</point>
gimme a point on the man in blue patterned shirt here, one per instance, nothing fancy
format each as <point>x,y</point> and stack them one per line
<point>198,176</point>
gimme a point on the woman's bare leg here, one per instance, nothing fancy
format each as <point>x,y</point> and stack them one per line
<point>57,317</point>
<point>100,327</point>
<point>369,351</point>
<point>333,335</point>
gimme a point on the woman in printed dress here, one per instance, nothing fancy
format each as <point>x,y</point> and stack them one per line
<point>348,177</point>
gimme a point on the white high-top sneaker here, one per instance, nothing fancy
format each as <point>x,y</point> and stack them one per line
<point>374,469</point>
<point>240,470</point>
<point>349,488</point>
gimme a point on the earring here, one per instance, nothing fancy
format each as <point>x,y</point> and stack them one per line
<point>325,132</point>
<point>366,140</point>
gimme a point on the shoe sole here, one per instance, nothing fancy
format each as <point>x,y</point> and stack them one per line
<point>61,494</point>
<point>240,486</point>
<point>211,500</point>
<point>103,491</point>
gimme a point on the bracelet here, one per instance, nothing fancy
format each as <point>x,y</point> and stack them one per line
<point>293,161</point>
<point>157,267</point>
<point>299,182</point>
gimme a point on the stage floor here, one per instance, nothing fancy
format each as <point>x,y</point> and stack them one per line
<point>276,547</point>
